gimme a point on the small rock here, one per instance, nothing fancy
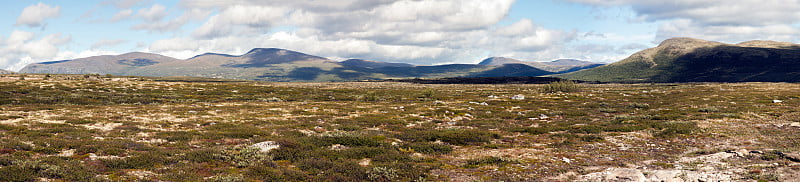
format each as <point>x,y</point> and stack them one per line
<point>338,147</point>
<point>567,160</point>
<point>266,146</point>
<point>93,156</point>
<point>542,116</point>
<point>777,101</point>
<point>272,99</point>
<point>365,162</point>
<point>67,153</point>
<point>740,152</point>
<point>518,97</point>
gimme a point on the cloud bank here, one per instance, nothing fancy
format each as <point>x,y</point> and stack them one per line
<point>34,15</point>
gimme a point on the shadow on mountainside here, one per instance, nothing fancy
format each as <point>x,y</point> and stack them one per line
<point>734,64</point>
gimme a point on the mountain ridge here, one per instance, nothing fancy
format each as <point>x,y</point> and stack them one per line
<point>695,60</point>
<point>556,66</point>
<point>270,64</point>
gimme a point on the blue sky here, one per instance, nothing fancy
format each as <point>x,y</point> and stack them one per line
<point>422,32</point>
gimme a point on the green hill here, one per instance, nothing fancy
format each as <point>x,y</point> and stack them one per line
<point>694,60</point>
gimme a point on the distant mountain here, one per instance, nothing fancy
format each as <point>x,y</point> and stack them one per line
<point>504,60</point>
<point>2,71</point>
<point>372,64</point>
<point>695,60</point>
<point>117,65</point>
<point>271,64</point>
<point>557,66</point>
<point>569,62</point>
<point>258,64</point>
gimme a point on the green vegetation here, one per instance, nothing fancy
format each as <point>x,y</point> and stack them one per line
<point>204,130</point>
<point>561,86</point>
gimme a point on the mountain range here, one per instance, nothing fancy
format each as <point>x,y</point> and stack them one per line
<point>673,60</point>
<point>2,71</point>
<point>695,60</point>
<point>273,64</point>
<point>557,66</point>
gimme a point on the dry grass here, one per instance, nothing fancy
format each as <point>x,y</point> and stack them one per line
<point>106,130</point>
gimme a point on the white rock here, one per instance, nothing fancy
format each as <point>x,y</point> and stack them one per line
<point>518,97</point>
<point>542,116</point>
<point>668,175</point>
<point>266,146</point>
<point>615,174</point>
<point>777,101</point>
<point>365,162</point>
<point>338,147</point>
<point>624,174</point>
<point>67,153</point>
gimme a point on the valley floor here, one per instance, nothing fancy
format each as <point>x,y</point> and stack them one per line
<point>98,128</point>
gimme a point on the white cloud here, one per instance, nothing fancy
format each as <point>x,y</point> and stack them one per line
<point>524,26</point>
<point>732,12</point>
<point>173,24</point>
<point>235,17</point>
<point>727,33</point>
<point>152,14</point>
<point>122,15</point>
<point>22,48</point>
<point>414,31</point>
<point>34,15</point>
<point>728,21</point>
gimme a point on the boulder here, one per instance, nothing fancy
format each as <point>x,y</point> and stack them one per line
<point>266,146</point>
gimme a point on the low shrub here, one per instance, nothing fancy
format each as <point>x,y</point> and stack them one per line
<point>203,155</point>
<point>429,148</point>
<point>639,105</point>
<point>382,174</point>
<point>464,137</point>
<point>141,161</point>
<point>243,156</point>
<point>672,129</point>
<point>499,161</point>
<point>561,86</point>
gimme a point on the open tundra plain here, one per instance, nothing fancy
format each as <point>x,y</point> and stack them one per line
<point>102,128</point>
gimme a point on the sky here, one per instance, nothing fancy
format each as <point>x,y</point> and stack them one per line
<point>423,32</point>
